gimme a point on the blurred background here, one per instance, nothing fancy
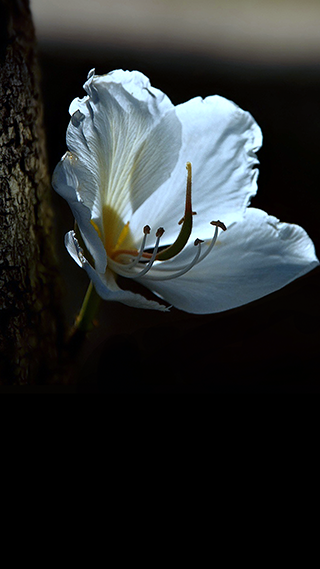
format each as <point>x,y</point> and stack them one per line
<point>265,56</point>
<point>255,30</point>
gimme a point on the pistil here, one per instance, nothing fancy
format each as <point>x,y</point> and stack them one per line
<point>186,228</point>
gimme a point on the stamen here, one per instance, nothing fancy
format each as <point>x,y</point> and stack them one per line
<point>218,225</point>
<point>160,232</point>
<point>146,231</point>
<point>183,271</point>
<point>126,270</point>
<point>143,258</point>
<point>147,268</point>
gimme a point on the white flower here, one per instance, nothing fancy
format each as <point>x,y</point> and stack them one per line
<point>124,177</point>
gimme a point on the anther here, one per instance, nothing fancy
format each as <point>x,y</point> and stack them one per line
<point>198,241</point>
<point>160,232</point>
<point>219,224</point>
<point>146,231</point>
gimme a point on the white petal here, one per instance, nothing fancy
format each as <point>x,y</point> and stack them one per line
<point>109,290</point>
<point>105,284</point>
<point>127,138</point>
<point>220,140</point>
<point>73,248</point>
<point>66,184</point>
<point>253,258</point>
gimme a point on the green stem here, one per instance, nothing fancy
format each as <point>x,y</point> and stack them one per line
<point>85,320</point>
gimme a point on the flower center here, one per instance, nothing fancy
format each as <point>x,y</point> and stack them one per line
<point>116,235</point>
<point>127,261</point>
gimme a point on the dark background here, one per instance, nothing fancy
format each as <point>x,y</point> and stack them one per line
<point>269,346</point>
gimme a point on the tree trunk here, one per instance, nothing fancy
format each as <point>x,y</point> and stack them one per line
<point>30,329</point>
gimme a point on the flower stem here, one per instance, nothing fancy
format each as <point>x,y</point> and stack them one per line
<point>85,320</point>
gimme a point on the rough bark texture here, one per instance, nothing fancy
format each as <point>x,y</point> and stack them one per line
<point>29,316</point>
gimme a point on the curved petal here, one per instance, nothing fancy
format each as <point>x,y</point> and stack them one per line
<point>65,183</point>
<point>126,137</point>
<point>105,284</point>
<point>255,257</point>
<point>220,140</point>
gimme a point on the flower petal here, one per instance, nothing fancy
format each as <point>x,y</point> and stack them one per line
<point>255,257</point>
<point>105,284</point>
<point>220,140</point>
<point>126,137</point>
<point>66,184</point>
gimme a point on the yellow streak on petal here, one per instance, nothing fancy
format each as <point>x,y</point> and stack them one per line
<point>123,235</point>
<point>116,234</point>
<point>96,228</point>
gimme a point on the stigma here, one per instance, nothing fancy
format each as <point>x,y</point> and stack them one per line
<point>135,264</point>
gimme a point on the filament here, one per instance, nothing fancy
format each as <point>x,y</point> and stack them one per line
<point>146,231</point>
<point>218,225</point>
<point>147,268</point>
<point>175,274</point>
<point>125,270</point>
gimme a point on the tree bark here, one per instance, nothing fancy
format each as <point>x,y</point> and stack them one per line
<point>30,316</point>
